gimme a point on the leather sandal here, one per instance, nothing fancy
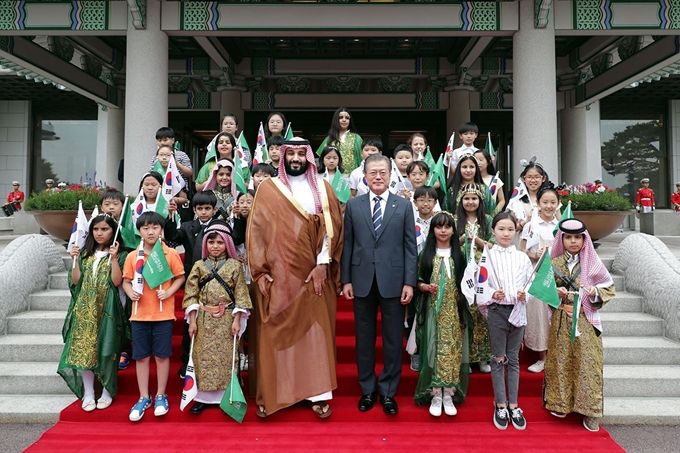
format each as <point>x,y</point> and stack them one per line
<point>261,412</point>
<point>321,408</point>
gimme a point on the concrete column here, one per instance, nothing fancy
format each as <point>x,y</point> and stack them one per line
<point>674,141</point>
<point>146,93</point>
<point>534,92</point>
<point>581,144</point>
<point>15,150</point>
<point>457,114</point>
<point>110,141</point>
<point>230,102</point>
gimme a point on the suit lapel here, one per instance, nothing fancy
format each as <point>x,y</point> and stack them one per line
<point>390,207</point>
<point>365,207</point>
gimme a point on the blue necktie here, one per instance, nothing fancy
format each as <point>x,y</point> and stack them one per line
<point>377,214</point>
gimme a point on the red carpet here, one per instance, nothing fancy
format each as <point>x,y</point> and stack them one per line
<point>298,429</point>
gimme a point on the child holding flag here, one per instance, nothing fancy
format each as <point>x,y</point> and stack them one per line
<point>440,319</point>
<point>502,278</point>
<point>217,304</point>
<point>225,147</point>
<point>147,199</point>
<point>537,238</point>
<point>473,222</point>
<point>95,326</point>
<point>490,177</point>
<point>152,265</point>
<point>330,167</point>
<point>573,368</point>
<point>467,172</point>
<point>223,186</point>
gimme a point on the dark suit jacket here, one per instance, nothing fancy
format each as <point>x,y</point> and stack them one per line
<point>190,235</point>
<point>391,255</point>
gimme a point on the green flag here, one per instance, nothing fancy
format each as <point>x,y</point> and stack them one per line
<point>212,153</point>
<point>242,142</point>
<point>429,160</point>
<point>128,230</point>
<point>158,167</point>
<point>341,188</point>
<point>567,214</point>
<point>289,132</point>
<point>435,173</point>
<point>574,318</point>
<point>239,176</point>
<point>156,269</point>
<point>544,287</point>
<point>489,146</point>
<point>233,402</point>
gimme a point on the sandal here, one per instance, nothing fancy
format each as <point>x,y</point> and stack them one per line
<point>321,408</point>
<point>89,405</point>
<point>261,412</point>
<point>103,403</point>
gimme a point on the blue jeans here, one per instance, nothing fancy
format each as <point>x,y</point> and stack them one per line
<point>506,340</point>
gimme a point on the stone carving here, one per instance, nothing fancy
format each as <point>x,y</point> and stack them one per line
<point>394,84</point>
<point>61,47</point>
<point>343,84</point>
<point>293,84</point>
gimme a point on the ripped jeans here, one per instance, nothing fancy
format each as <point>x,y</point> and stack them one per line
<point>506,340</point>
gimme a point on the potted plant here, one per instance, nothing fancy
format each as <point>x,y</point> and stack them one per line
<point>56,209</point>
<point>601,208</point>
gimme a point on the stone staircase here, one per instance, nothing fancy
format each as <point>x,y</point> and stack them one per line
<point>6,225</point>
<point>30,389</point>
<point>641,367</point>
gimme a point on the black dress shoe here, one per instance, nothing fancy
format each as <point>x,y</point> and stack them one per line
<point>389,405</point>
<point>366,402</point>
<point>198,408</point>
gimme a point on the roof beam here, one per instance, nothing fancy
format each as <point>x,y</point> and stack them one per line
<point>37,59</point>
<point>212,46</point>
<point>583,55</point>
<point>109,57</point>
<point>469,55</point>
<point>652,58</point>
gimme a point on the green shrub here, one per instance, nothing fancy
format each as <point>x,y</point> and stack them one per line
<point>65,199</point>
<point>605,201</point>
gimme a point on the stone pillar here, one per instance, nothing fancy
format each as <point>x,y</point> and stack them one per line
<point>457,114</point>
<point>230,102</point>
<point>146,93</point>
<point>581,144</point>
<point>110,141</point>
<point>674,141</point>
<point>534,92</point>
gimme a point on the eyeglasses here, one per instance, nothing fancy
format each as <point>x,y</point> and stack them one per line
<point>426,201</point>
<point>533,177</point>
<point>374,173</point>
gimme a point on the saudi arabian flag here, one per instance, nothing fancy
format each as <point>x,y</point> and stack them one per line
<point>239,176</point>
<point>289,132</point>
<point>567,214</point>
<point>128,230</point>
<point>242,142</point>
<point>429,160</point>
<point>574,319</point>
<point>156,269</point>
<point>489,147</point>
<point>437,173</point>
<point>341,188</point>
<point>543,286</point>
<point>234,402</point>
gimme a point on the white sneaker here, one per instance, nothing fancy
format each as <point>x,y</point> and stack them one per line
<point>449,408</point>
<point>436,406</point>
<point>537,367</point>
<point>484,367</point>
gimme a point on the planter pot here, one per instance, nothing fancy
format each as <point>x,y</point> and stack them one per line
<point>57,223</point>
<point>601,224</point>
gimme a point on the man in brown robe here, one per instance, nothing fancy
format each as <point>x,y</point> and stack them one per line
<point>294,247</point>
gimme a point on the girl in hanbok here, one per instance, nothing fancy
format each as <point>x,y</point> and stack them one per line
<point>537,238</point>
<point>440,315</point>
<point>472,221</point>
<point>217,306</point>
<point>573,370</point>
<point>94,327</point>
<point>467,172</point>
<point>342,134</point>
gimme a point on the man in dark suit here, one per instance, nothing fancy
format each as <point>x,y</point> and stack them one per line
<point>379,269</point>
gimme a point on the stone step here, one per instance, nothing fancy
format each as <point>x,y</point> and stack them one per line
<point>640,351</point>
<point>607,261</point>
<point>619,283</point>
<point>624,302</point>
<point>36,322</point>
<point>31,348</point>
<point>60,281</point>
<point>54,299</point>
<point>631,324</point>
<point>31,378</point>
<point>32,408</point>
<point>642,381</point>
<point>6,226</point>
<point>641,410</point>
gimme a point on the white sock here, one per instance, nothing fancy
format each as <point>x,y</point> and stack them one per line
<point>437,392</point>
<point>88,384</point>
<point>106,395</point>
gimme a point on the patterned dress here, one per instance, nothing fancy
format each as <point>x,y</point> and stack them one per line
<point>480,345</point>
<point>350,150</point>
<point>440,339</point>
<point>225,202</point>
<point>573,371</point>
<point>94,326</point>
<point>489,202</point>
<point>214,343</point>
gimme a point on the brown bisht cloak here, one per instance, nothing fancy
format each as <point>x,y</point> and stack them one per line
<point>294,328</point>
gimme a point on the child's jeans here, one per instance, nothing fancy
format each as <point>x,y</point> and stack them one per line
<point>506,340</point>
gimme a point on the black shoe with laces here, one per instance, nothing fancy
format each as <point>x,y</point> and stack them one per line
<point>500,418</point>
<point>517,418</point>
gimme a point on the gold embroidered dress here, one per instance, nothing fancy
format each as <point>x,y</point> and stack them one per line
<point>350,150</point>
<point>573,371</point>
<point>94,326</point>
<point>443,362</point>
<point>214,343</point>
